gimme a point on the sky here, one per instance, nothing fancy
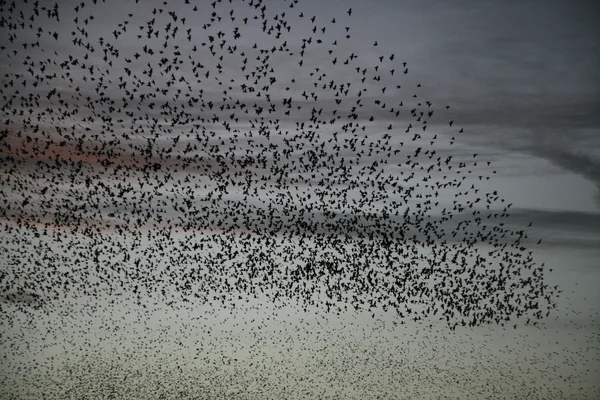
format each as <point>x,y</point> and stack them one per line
<point>103,206</point>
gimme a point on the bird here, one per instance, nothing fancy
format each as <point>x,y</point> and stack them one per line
<point>188,161</point>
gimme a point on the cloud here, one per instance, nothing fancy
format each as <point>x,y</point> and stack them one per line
<point>578,163</point>
<point>566,221</point>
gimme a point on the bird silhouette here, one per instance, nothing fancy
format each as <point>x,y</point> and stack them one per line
<point>162,155</point>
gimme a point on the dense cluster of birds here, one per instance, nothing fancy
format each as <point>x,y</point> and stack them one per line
<point>175,130</point>
<point>191,354</point>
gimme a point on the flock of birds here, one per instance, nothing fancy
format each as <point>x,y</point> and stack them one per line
<point>282,167</point>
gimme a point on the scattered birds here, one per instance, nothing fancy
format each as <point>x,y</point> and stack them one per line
<point>175,129</point>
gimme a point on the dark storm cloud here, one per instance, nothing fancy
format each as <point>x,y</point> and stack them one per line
<point>568,229</point>
<point>580,164</point>
<point>566,221</point>
<point>535,112</point>
<point>520,76</point>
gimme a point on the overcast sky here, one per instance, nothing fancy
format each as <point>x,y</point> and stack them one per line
<point>520,78</point>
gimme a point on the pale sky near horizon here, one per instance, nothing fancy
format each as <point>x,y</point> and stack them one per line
<point>522,79</point>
